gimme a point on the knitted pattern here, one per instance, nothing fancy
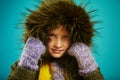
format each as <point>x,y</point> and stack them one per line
<point>32,51</point>
<point>57,72</point>
<point>82,53</point>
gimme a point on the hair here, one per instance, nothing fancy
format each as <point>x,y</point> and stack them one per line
<point>51,13</point>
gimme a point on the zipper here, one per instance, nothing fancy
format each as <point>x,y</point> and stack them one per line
<point>70,76</point>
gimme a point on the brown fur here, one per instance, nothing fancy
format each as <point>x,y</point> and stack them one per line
<point>52,13</point>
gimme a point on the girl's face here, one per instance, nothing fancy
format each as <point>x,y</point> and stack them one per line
<point>59,42</point>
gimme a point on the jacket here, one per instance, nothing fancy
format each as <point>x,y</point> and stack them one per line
<point>19,73</point>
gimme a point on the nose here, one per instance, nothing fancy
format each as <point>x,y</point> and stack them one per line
<point>58,43</point>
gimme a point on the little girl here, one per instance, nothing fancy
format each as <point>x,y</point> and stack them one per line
<point>58,36</point>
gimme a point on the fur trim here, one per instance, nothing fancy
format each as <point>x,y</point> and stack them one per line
<point>52,13</point>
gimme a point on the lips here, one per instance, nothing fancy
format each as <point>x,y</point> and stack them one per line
<point>57,51</point>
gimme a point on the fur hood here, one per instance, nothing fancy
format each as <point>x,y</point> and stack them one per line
<point>52,13</point>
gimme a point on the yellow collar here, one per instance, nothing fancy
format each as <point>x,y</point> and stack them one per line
<point>45,73</point>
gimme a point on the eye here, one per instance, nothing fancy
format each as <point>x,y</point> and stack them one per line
<point>51,35</point>
<point>66,37</point>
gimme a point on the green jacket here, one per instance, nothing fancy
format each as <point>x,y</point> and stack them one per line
<point>18,73</point>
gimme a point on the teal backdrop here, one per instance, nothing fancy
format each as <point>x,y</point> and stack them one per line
<point>107,51</point>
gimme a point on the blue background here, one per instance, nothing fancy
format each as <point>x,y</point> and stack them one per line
<point>107,45</point>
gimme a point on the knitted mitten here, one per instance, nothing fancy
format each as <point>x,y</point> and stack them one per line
<point>32,51</point>
<point>82,53</point>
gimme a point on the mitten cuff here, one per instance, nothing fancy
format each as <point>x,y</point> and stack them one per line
<point>89,69</point>
<point>28,63</point>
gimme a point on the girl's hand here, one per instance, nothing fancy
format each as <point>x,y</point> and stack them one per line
<point>82,53</point>
<point>32,51</point>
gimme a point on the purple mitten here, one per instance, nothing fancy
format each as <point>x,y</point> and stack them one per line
<point>82,53</point>
<point>32,51</point>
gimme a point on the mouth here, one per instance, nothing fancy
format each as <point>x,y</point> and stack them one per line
<point>57,51</point>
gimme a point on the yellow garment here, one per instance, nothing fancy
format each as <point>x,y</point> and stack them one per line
<point>45,73</point>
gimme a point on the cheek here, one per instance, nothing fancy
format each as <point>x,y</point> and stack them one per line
<point>50,44</point>
<point>67,44</point>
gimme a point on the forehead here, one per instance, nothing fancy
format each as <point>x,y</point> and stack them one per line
<point>60,30</point>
